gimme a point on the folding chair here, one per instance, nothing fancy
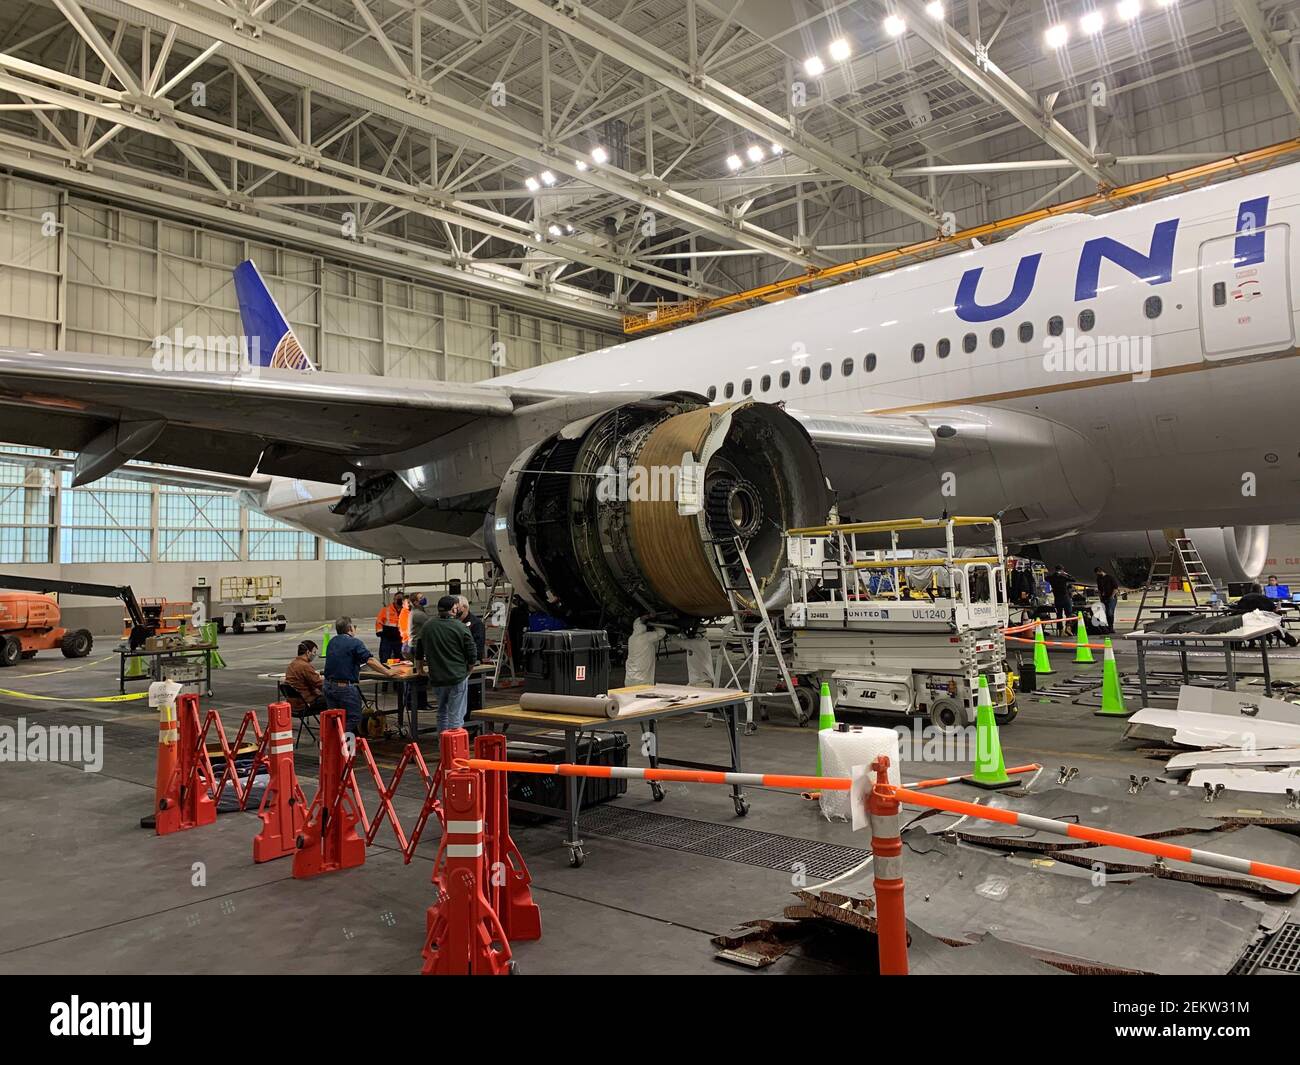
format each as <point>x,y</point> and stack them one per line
<point>291,696</point>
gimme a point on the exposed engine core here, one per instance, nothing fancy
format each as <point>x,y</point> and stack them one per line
<point>617,516</point>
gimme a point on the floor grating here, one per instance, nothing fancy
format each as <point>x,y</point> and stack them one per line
<point>821,861</point>
<point>1283,954</point>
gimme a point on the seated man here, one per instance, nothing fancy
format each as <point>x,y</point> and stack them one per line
<point>301,678</point>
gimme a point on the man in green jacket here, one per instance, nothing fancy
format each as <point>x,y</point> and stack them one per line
<point>446,648</point>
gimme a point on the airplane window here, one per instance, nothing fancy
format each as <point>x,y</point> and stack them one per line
<point>918,352</point>
<point>765,383</point>
<point>997,336</point>
<point>846,367</point>
<point>968,343</point>
<point>747,387</point>
<point>712,393</point>
<point>943,348</point>
<point>1026,332</point>
<point>1152,307</point>
<point>1087,319</point>
<point>785,378</point>
<point>826,371</point>
<point>805,375</point>
<point>869,363</point>
<point>1056,325</point>
<point>1220,293</point>
<point>730,390</point>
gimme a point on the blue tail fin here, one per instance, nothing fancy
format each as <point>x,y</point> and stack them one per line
<point>271,341</point>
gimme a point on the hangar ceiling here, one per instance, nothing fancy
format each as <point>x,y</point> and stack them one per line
<point>599,157</point>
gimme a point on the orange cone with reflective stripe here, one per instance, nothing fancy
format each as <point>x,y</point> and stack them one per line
<point>168,735</point>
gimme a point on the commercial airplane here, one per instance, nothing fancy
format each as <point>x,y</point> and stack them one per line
<point>1092,379</point>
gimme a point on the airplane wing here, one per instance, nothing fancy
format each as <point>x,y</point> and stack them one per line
<point>174,476</point>
<point>240,421</point>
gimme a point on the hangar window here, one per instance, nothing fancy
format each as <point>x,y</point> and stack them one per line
<point>712,393</point>
<point>918,352</point>
<point>747,387</point>
<point>766,383</point>
<point>997,336</point>
<point>785,378</point>
<point>1026,332</point>
<point>805,375</point>
<point>943,348</point>
<point>968,343</point>
<point>1087,319</point>
<point>730,390</point>
<point>869,363</point>
<point>846,367</point>
<point>826,371</point>
<point>1152,307</point>
<point>1056,325</point>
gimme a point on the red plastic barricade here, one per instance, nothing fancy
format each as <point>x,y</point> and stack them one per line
<point>329,840</point>
<point>283,809</point>
<point>186,801</point>
<point>508,879</point>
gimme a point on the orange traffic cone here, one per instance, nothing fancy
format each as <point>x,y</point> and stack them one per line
<point>168,738</point>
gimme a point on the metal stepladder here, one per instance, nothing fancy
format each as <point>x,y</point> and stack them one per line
<point>497,619</point>
<point>749,629</point>
<point>1182,560</point>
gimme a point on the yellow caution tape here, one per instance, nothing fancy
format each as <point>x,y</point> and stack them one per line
<point>66,669</point>
<point>128,697</point>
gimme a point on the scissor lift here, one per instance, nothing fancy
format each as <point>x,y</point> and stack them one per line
<point>917,649</point>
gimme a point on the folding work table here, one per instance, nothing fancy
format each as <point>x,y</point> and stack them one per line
<point>1226,640</point>
<point>724,701</point>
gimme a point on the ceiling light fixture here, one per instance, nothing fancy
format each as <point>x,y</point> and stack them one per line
<point>733,162</point>
<point>840,50</point>
<point>531,184</point>
<point>755,153</point>
<point>599,156</point>
<point>814,67</point>
<point>1057,35</point>
<point>1092,22</point>
<point>895,26</point>
<point>934,9</point>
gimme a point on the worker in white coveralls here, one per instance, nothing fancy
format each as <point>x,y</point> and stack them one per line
<point>642,649</point>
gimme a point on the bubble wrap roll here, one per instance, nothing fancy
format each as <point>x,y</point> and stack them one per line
<point>841,751</point>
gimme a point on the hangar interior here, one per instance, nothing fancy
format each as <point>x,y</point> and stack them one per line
<point>447,202</point>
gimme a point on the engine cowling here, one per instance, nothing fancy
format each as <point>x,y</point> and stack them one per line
<point>623,514</point>
<point>1231,554</point>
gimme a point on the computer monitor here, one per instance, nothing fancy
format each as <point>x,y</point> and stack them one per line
<point>1277,591</point>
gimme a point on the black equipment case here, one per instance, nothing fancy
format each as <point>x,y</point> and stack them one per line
<point>566,662</point>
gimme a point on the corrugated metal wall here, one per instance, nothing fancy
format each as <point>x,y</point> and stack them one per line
<point>85,277</point>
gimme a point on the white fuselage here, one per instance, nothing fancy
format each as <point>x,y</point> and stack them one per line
<point>1194,292</point>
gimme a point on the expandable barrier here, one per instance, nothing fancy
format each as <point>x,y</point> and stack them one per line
<point>328,841</point>
<point>883,802</point>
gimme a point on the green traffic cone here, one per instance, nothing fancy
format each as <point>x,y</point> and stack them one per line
<point>990,770</point>
<point>134,668</point>
<point>1082,652</point>
<point>325,641</point>
<point>1112,695</point>
<point>1042,665</point>
<point>825,720</point>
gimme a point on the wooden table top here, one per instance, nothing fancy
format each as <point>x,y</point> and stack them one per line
<point>516,714</point>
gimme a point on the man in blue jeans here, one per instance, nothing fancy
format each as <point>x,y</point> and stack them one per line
<point>446,649</point>
<point>343,661</point>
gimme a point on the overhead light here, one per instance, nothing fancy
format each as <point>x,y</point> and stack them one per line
<point>1166,3</point>
<point>777,149</point>
<point>568,228</point>
<point>581,164</point>
<point>814,67</point>
<point>895,26</point>
<point>548,178</point>
<point>755,153</point>
<point>531,184</point>
<point>1128,10</point>
<point>733,162</point>
<point>554,230</point>
<point>1092,22</point>
<point>934,9</point>
<point>1057,35</point>
<point>840,50</point>
<point>599,156</point>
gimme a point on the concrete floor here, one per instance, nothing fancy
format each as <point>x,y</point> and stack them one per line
<point>89,891</point>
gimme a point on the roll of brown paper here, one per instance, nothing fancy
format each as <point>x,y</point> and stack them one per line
<point>582,705</point>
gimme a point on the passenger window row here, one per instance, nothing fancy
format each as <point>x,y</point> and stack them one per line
<point>1086,320</point>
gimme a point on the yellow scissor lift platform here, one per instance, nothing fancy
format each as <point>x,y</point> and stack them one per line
<point>250,603</point>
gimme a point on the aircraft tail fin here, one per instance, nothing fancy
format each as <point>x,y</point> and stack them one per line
<point>271,340</point>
